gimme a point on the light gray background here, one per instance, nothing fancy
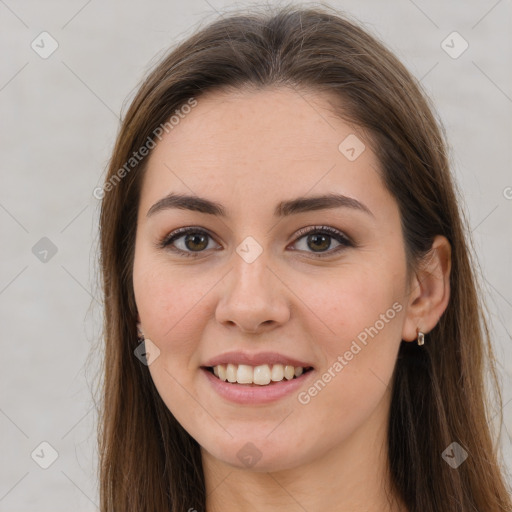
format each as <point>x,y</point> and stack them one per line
<point>59,117</point>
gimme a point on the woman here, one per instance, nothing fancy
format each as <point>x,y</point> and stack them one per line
<point>291,315</point>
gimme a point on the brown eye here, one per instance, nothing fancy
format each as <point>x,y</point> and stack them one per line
<point>318,240</point>
<point>187,241</point>
<point>195,242</point>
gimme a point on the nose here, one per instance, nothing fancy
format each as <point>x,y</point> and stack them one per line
<point>254,297</point>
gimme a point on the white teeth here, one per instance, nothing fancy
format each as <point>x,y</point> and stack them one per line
<point>289,372</point>
<point>277,372</point>
<point>231,373</point>
<point>244,374</point>
<point>222,372</point>
<point>261,375</point>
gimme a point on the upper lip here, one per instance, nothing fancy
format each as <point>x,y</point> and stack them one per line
<point>260,358</point>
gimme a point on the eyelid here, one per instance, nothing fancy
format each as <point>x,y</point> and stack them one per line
<point>344,240</point>
<point>333,232</point>
<point>165,242</point>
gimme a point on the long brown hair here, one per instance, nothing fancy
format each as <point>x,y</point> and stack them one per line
<point>148,462</point>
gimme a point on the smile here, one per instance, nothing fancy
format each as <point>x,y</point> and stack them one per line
<point>261,375</point>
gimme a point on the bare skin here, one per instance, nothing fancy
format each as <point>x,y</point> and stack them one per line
<point>248,151</point>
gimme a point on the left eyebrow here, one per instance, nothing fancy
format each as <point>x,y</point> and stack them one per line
<point>283,209</point>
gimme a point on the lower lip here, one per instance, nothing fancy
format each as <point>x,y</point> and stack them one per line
<point>244,394</point>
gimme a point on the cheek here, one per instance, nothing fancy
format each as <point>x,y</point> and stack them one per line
<point>363,320</point>
<point>170,303</point>
<point>353,301</point>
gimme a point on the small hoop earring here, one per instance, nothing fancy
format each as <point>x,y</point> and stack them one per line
<point>421,338</point>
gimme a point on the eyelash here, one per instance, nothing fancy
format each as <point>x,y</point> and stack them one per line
<point>324,230</point>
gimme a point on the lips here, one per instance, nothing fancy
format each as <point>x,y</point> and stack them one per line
<point>252,394</point>
<point>255,359</point>
<point>256,378</point>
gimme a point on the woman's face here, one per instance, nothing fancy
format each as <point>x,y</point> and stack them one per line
<point>273,282</point>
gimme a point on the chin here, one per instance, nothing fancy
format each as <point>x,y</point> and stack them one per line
<point>259,456</point>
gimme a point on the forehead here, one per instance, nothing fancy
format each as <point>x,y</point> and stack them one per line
<point>276,123</point>
<point>258,145</point>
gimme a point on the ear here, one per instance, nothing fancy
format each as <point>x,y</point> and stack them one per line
<point>429,290</point>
